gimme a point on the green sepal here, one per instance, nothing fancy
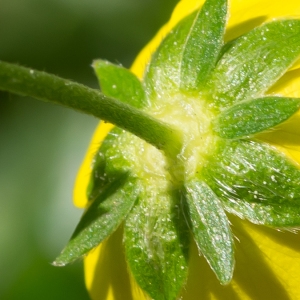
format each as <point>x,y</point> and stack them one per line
<point>112,192</point>
<point>257,182</point>
<point>163,73</point>
<point>278,216</point>
<point>203,44</point>
<point>101,219</point>
<point>211,228</point>
<point>156,243</point>
<point>108,163</point>
<point>253,116</point>
<point>188,54</point>
<point>254,62</point>
<point>119,83</point>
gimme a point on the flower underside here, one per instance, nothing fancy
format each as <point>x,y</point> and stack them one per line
<point>216,96</point>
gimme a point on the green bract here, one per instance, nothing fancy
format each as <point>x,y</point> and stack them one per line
<point>216,97</point>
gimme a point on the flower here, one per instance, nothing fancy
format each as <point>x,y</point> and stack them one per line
<point>267,262</point>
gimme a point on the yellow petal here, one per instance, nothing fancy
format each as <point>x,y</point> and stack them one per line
<point>267,267</point>
<point>106,275</point>
<point>268,262</point>
<point>286,136</point>
<point>84,173</point>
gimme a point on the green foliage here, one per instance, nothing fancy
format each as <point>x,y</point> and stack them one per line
<point>202,44</point>
<point>211,229</point>
<point>253,62</point>
<point>119,83</point>
<point>253,116</point>
<point>188,55</point>
<point>101,219</point>
<point>256,182</point>
<point>156,241</point>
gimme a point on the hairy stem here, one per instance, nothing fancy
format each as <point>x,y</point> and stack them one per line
<point>50,88</point>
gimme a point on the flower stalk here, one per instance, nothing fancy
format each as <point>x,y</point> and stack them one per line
<point>50,88</point>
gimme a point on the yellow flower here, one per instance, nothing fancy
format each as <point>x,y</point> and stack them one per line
<point>267,261</point>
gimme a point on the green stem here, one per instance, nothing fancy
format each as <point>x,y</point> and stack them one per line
<point>50,88</point>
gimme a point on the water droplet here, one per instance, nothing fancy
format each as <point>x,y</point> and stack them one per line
<point>58,264</point>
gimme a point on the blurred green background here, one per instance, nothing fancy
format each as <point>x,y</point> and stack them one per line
<point>42,145</point>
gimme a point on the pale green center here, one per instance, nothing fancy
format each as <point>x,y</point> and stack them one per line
<point>190,116</point>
